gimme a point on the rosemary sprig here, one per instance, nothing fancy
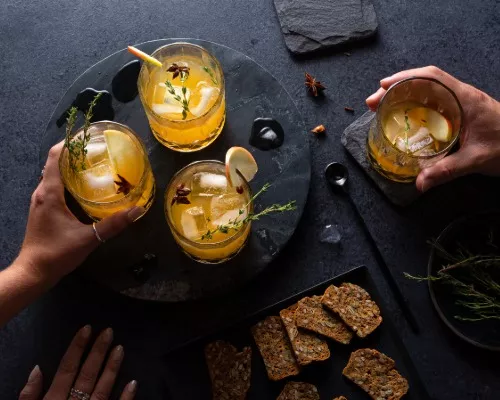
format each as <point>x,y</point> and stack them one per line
<point>209,71</point>
<point>469,276</point>
<point>236,224</point>
<point>77,146</point>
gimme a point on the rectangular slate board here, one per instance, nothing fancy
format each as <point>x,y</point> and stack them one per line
<point>187,374</point>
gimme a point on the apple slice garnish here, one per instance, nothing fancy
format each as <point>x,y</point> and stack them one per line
<point>240,160</point>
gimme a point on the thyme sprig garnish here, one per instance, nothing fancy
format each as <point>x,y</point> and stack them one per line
<point>407,129</point>
<point>236,223</point>
<point>469,276</point>
<point>183,73</point>
<point>77,146</point>
<point>209,71</point>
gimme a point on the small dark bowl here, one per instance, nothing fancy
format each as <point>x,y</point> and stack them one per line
<point>473,233</point>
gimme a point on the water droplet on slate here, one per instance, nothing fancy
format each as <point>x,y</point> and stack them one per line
<point>124,83</point>
<point>331,235</point>
<point>267,134</point>
<point>103,110</point>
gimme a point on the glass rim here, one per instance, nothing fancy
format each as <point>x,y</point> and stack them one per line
<point>220,96</point>
<point>190,241</point>
<point>450,144</point>
<point>129,194</point>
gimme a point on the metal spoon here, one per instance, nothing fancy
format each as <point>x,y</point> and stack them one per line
<point>337,176</point>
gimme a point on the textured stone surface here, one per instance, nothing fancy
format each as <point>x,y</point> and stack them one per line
<point>318,24</point>
<point>46,45</point>
<point>354,140</point>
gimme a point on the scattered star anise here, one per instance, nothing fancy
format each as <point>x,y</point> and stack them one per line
<point>314,86</point>
<point>181,194</point>
<point>124,186</point>
<point>319,130</point>
<point>178,70</point>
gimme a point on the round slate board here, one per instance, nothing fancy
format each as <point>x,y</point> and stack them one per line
<point>251,92</point>
<point>479,234</point>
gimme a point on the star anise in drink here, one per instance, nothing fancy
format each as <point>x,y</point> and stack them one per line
<point>124,186</point>
<point>314,86</point>
<point>181,194</point>
<point>177,70</point>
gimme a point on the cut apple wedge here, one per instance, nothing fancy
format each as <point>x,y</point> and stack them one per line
<point>439,126</point>
<point>144,56</point>
<point>240,159</point>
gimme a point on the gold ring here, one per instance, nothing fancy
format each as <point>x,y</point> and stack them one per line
<point>97,234</point>
<point>78,394</point>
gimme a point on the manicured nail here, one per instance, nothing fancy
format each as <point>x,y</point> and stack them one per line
<point>382,81</point>
<point>132,386</point>
<point>34,374</point>
<point>135,213</point>
<point>118,352</point>
<point>86,331</point>
<point>108,335</point>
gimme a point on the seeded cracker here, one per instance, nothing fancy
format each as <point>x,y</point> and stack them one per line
<point>355,306</point>
<point>307,346</point>
<point>311,315</point>
<point>274,346</point>
<point>374,372</point>
<point>229,370</point>
<point>299,391</point>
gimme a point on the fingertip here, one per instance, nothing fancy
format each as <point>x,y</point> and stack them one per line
<point>132,387</point>
<point>135,213</point>
<point>86,331</point>
<point>35,374</point>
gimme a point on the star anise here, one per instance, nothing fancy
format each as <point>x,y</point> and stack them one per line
<point>178,70</point>
<point>181,194</point>
<point>314,86</point>
<point>124,186</point>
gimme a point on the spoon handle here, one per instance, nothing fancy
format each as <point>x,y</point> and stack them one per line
<point>403,303</point>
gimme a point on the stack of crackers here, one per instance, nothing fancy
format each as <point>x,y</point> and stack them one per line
<point>298,337</point>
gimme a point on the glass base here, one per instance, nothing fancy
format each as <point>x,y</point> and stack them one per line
<point>217,260</point>
<point>191,147</point>
<point>387,174</point>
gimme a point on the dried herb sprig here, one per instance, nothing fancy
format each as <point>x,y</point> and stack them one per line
<point>183,73</point>
<point>209,71</point>
<point>237,223</point>
<point>475,288</point>
<point>77,146</point>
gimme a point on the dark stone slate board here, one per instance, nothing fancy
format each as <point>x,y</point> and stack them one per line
<point>317,24</point>
<point>251,92</point>
<point>354,140</point>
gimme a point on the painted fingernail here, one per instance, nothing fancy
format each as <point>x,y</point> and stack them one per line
<point>86,331</point>
<point>118,353</point>
<point>382,81</point>
<point>132,386</point>
<point>35,373</point>
<point>135,213</point>
<point>108,335</point>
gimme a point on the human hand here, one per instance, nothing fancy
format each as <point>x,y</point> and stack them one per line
<point>56,242</point>
<point>480,139</point>
<point>88,384</point>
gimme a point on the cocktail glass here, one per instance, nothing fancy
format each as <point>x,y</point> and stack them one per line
<point>210,202</point>
<point>186,112</point>
<point>113,175</point>
<point>417,123</point>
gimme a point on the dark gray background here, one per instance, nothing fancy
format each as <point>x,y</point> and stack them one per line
<point>45,45</point>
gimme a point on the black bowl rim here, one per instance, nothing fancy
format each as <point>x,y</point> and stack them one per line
<point>446,231</point>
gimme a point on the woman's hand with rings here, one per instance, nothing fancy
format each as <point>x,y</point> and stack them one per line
<point>85,383</point>
<point>56,242</point>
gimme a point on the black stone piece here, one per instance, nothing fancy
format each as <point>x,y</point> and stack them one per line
<point>103,109</point>
<point>287,168</point>
<point>354,140</point>
<point>267,134</point>
<point>124,83</point>
<point>316,24</point>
